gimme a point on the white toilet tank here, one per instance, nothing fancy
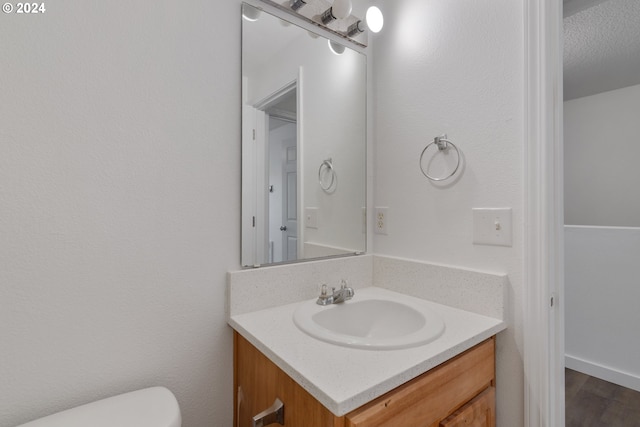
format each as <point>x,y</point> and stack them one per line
<point>150,407</point>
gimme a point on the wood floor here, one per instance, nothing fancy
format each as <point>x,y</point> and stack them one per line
<point>592,402</point>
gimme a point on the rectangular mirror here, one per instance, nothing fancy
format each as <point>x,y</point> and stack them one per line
<point>303,143</point>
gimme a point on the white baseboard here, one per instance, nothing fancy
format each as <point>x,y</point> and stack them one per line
<point>606,373</point>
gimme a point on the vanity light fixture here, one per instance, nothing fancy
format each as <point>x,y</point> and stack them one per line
<point>297,4</point>
<point>374,20</point>
<point>340,10</point>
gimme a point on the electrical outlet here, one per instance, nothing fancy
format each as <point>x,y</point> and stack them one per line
<point>381,221</point>
<point>492,227</point>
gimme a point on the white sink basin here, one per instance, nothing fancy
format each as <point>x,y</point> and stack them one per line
<point>374,319</point>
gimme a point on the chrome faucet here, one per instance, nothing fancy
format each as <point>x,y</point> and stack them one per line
<point>341,295</point>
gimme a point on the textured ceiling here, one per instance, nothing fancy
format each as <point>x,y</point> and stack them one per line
<point>602,46</point>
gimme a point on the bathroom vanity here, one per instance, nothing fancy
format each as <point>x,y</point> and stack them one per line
<point>459,392</point>
<point>446,380</point>
<point>446,374</point>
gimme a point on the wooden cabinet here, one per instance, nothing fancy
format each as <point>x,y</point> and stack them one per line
<point>258,382</point>
<point>477,413</point>
<point>460,392</point>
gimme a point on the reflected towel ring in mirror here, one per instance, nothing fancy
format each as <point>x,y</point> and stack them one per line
<point>443,145</point>
<point>326,170</point>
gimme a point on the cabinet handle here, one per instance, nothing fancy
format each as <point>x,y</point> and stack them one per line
<point>240,399</point>
<point>273,414</point>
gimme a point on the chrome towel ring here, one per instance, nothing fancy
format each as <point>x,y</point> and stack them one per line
<point>327,167</point>
<point>443,145</point>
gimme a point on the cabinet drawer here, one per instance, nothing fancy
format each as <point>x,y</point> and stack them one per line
<point>433,396</point>
<point>480,412</point>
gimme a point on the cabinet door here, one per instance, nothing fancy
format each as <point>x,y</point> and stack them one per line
<point>258,382</point>
<point>480,412</point>
<point>426,400</point>
<point>255,383</point>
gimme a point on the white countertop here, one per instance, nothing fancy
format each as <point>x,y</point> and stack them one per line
<point>343,378</point>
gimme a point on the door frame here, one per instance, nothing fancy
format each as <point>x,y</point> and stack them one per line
<point>543,216</point>
<point>261,136</point>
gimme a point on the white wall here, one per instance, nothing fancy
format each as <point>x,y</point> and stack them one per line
<point>602,291</point>
<point>454,67</point>
<point>339,135</point>
<point>601,140</point>
<point>120,195</point>
<point>120,182</point>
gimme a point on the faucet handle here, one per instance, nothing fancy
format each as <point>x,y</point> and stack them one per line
<point>344,285</point>
<point>324,298</point>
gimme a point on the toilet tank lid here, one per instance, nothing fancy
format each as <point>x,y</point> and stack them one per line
<point>150,407</point>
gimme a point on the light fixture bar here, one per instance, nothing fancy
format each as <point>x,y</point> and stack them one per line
<point>303,15</point>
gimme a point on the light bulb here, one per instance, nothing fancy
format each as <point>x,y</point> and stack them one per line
<point>341,8</point>
<point>374,18</point>
<point>336,48</point>
<point>249,13</point>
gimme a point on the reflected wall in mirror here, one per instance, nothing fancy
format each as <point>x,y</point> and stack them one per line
<point>303,143</point>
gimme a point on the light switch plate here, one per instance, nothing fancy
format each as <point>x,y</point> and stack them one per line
<point>311,217</point>
<point>492,226</point>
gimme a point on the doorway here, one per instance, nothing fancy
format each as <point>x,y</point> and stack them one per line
<point>602,212</point>
<point>270,163</point>
<point>283,184</point>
